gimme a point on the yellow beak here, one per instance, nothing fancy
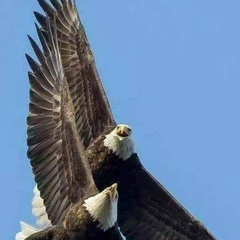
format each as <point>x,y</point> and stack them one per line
<point>113,191</point>
<point>123,131</point>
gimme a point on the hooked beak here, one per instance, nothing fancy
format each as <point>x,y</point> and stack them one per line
<point>113,192</point>
<point>123,131</point>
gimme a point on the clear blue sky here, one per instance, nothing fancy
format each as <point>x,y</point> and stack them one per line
<point>171,70</point>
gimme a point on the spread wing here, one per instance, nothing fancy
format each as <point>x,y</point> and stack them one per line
<point>61,172</point>
<point>92,110</point>
<point>151,211</point>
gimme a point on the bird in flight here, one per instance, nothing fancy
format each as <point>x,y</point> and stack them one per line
<point>74,205</point>
<point>146,210</point>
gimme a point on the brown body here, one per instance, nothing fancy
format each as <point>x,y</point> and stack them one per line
<point>60,233</point>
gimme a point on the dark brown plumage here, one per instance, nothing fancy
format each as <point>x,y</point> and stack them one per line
<point>146,209</point>
<point>92,110</point>
<point>62,173</point>
<point>89,231</point>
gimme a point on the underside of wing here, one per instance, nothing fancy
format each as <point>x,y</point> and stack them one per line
<point>152,212</point>
<point>92,111</point>
<point>61,172</point>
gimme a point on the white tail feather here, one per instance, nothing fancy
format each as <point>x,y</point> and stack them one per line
<point>43,222</point>
<point>26,231</point>
<point>20,236</point>
<point>37,202</point>
<point>39,211</point>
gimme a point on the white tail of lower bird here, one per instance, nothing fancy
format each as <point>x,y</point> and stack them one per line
<point>39,211</point>
<point>26,231</point>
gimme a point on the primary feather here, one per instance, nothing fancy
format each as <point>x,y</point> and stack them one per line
<point>62,173</point>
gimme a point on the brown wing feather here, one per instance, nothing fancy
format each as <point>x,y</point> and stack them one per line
<point>92,110</point>
<point>148,211</point>
<point>61,171</point>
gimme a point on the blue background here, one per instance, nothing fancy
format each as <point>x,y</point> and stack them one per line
<point>171,70</point>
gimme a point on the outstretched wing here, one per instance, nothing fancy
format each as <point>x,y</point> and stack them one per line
<point>61,172</point>
<point>92,110</point>
<point>148,211</point>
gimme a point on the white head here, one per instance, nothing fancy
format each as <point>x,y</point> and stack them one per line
<point>103,207</point>
<point>120,141</point>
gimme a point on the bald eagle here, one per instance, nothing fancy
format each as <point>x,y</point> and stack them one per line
<point>62,173</point>
<point>146,209</point>
<point>93,218</point>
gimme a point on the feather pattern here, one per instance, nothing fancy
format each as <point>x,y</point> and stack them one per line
<point>61,173</point>
<point>92,110</point>
<point>146,209</point>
